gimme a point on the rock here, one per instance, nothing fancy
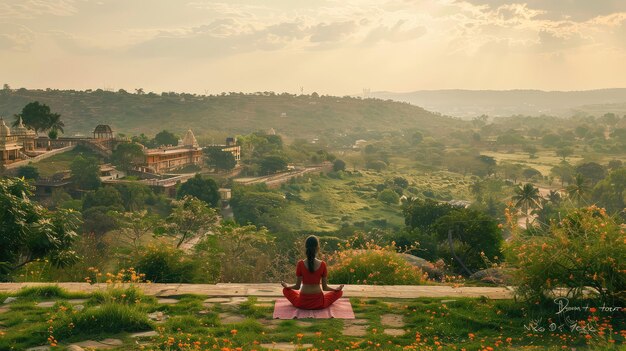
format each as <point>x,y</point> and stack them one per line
<point>74,348</point>
<point>10,299</point>
<point>39,348</point>
<point>433,271</point>
<point>157,316</point>
<point>79,308</point>
<point>498,276</point>
<point>145,334</point>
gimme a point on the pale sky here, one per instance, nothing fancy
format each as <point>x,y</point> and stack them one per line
<point>333,47</point>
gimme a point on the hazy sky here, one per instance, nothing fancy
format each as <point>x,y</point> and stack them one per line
<point>332,47</point>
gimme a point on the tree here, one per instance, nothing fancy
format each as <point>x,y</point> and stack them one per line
<point>577,191</point>
<point>422,214</point>
<point>564,152</point>
<point>610,191</point>
<point>554,197</point>
<point>531,150</point>
<point>272,164</point>
<point>339,165</point>
<point>134,195</point>
<point>222,160</point>
<point>190,218</point>
<point>564,171</point>
<point>85,172</point>
<point>107,197</point>
<point>465,237</point>
<point>244,249</point>
<point>28,172</point>
<point>165,138</point>
<point>477,189</point>
<point>489,163</point>
<point>256,207</point>
<point>389,197</point>
<point>202,188</point>
<point>135,225</point>
<point>29,232</point>
<point>55,124</point>
<point>592,171</point>
<point>526,197</point>
<point>127,155</point>
<point>38,117</point>
<point>530,173</point>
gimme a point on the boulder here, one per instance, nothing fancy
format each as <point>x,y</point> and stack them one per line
<point>433,271</point>
<point>497,276</point>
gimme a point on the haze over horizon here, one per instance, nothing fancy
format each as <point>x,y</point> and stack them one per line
<point>331,47</point>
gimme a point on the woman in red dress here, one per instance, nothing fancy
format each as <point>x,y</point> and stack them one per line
<point>307,292</point>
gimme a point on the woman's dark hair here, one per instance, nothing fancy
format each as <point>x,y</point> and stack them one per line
<point>311,245</point>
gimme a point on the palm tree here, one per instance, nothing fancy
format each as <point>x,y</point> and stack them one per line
<point>554,197</point>
<point>526,197</point>
<point>55,123</point>
<point>578,189</point>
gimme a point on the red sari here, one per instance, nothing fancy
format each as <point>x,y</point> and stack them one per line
<point>311,301</point>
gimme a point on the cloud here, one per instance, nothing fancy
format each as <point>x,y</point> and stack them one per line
<point>398,32</point>
<point>15,37</point>
<point>27,9</point>
<point>332,32</point>
<point>578,10</point>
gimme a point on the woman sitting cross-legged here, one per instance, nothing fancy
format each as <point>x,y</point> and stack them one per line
<point>307,293</point>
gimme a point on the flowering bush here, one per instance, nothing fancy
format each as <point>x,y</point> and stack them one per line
<point>372,264</point>
<point>584,250</point>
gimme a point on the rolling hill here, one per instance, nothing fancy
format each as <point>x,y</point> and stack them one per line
<point>293,116</point>
<point>496,103</point>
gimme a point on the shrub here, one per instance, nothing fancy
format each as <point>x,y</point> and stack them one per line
<point>584,250</point>
<point>45,291</point>
<point>389,197</point>
<point>108,318</point>
<point>166,264</point>
<point>372,264</point>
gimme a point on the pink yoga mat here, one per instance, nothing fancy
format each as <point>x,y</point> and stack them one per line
<point>283,309</point>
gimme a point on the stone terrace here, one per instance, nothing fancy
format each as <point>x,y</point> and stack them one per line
<point>273,290</point>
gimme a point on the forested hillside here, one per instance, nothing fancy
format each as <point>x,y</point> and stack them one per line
<point>235,113</point>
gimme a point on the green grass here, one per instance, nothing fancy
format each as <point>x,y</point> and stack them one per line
<point>60,162</point>
<point>467,323</point>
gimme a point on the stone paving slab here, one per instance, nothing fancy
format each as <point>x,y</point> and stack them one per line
<point>283,346</point>
<point>99,345</point>
<point>394,332</point>
<point>271,290</point>
<point>144,334</point>
<point>392,320</point>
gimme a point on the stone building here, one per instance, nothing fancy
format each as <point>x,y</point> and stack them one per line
<point>166,159</point>
<point>10,148</point>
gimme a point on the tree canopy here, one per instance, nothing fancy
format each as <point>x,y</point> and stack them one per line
<point>203,188</point>
<point>165,138</point>
<point>39,117</point>
<point>29,232</point>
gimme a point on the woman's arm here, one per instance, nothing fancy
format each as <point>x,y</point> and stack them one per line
<point>325,286</point>
<point>296,286</point>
